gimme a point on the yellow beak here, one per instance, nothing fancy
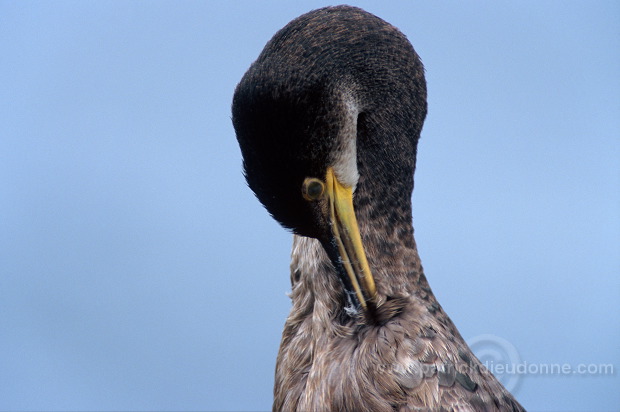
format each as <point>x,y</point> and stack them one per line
<point>347,236</point>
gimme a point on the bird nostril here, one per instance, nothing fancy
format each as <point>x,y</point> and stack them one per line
<point>312,189</point>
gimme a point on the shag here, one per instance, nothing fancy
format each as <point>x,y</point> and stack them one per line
<point>328,120</point>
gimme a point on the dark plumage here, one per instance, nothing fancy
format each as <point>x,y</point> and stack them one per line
<point>328,119</point>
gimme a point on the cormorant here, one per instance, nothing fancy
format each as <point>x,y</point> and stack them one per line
<point>328,120</point>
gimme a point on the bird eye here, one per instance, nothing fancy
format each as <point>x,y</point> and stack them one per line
<point>312,189</point>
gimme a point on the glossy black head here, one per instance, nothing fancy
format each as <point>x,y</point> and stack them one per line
<point>331,77</point>
<point>285,134</point>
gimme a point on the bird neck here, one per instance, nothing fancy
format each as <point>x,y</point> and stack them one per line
<point>318,292</point>
<point>392,256</point>
<point>383,210</point>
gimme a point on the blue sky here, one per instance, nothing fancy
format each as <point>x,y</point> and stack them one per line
<point>138,272</point>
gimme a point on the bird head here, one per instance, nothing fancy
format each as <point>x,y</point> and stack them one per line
<point>299,153</point>
<point>329,114</point>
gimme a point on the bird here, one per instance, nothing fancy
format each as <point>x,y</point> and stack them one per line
<point>328,119</point>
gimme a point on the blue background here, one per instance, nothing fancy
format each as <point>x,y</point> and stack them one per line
<point>138,272</point>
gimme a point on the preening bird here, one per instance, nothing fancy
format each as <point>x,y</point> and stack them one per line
<point>328,120</point>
